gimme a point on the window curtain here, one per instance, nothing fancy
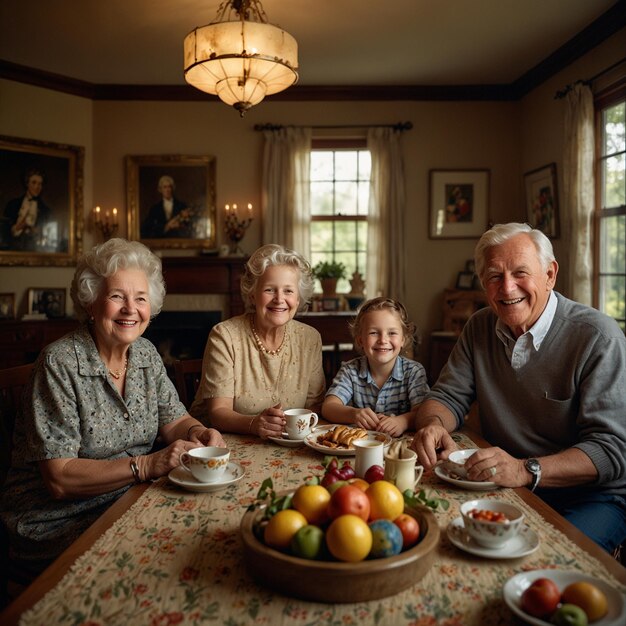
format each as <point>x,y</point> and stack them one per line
<point>578,188</point>
<point>385,272</point>
<point>285,193</point>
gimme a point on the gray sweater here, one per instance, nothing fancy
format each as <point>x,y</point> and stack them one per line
<point>571,393</point>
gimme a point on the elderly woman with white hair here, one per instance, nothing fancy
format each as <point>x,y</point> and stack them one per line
<point>260,363</point>
<point>97,401</point>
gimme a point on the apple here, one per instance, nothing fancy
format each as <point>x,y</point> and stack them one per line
<point>329,479</point>
<point>410,529</point>
<point>569,615</point>
<point>349,499</point>
<point>336,485</point>
<point>541,598</point>
<point>374,473</point>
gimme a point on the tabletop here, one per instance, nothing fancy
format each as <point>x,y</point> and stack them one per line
<point>175,557</point>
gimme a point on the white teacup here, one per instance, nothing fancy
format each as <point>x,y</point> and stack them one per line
<point>367,453</point>
<point>206,464</point>
<point>403,473</point>
<point>299,423</point>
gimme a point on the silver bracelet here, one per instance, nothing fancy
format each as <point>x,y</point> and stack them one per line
<point>134,468</point>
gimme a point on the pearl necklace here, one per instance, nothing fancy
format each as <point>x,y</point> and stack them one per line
<point>259,342</point>
<point>118,373</point>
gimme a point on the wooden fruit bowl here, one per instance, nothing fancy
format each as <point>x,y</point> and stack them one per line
<point>336,582</point>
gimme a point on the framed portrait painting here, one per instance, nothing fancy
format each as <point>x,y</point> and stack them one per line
<point>47,300</point>
<point>458,204</point>
<point>41,202</point>
<point>7,306</point>
<point>171,200</point>
<point>542,202</point>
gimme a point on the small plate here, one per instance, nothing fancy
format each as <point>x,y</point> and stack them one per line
<point>372,435</point>
<point>288,443</point>
<point>526,542</point>
<point>182,478</point>
<point>515,586</point>
<point>472,485</point>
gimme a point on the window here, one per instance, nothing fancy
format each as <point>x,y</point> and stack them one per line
<point>339,198</point>
<point>610,283</point>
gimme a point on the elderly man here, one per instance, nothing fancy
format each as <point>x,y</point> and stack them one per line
<point>549,375</point>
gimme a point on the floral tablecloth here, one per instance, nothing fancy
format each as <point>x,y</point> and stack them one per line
<point>175,557</point>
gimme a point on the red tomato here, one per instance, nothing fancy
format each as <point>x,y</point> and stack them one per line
<point>349,500</point>
<point>374,473</point>
<point>541,598</point>
<point>410,529</point>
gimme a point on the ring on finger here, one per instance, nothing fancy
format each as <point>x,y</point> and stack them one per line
<point>493,471</point>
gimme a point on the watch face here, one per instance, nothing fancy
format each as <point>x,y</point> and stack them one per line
<point>532,465</point>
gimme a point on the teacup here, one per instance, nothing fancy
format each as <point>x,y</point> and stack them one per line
<point>299,423</point>
<point>491,534</point>
<point>403,473</point>
<point>206,464</point>
<point>367,453</point>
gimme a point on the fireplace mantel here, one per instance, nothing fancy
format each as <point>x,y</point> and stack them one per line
<point>206,275</point>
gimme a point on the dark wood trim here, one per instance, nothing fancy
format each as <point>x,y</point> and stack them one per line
<point>606,25</point>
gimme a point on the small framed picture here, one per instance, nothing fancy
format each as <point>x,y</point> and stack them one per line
<point>47,300</point>
<point>330,304</point>
<point>470,266</point>
<point>542,202</point>
<point>465,280</point>
<point>7,306</point>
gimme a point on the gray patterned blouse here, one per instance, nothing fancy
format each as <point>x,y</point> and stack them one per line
<point>73,410</point>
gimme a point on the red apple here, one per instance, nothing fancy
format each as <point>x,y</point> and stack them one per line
<point>541,598</point>
<point>410,529</point>
<point>374,473</point>
<point>349,499</point>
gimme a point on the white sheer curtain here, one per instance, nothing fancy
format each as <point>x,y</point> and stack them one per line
<point>385,272</point>
<point>285,194</point>
<point>578,188</point>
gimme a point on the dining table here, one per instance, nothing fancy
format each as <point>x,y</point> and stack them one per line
<point>164,555</point>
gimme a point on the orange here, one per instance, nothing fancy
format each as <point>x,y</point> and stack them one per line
<point>282,527</point>
<point>360,483</point>
<point>386,500</point>
<point>588,597</point>
<point>312,501</point>
<point>349,538</point>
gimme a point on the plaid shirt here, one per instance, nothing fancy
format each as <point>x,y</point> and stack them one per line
<point>404,389</point>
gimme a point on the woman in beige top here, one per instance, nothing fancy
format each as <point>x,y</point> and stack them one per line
<point>259,363</point>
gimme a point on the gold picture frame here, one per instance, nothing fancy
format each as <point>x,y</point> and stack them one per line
<point>542,200</point>
<point>458,204</point>
<point>41,202</point>
<point>47,300</point>
<point>159,218</point>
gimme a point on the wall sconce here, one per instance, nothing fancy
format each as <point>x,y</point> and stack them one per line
<point>236,228</point>
<point>105,222</point>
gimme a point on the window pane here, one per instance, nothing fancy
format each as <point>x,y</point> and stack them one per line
<point>612,294</point>
<point>321,237</point>
<point>321,165</point>
<point>321,198</point>
<point>613,251</point>
<point>345,236</point>
<point>365,165</point>
<point>362,239</point>
<point>345,199</point>
<point>614,123</point>
<point>345,165</point>
<point>363,198</point>
<point>614,192</point>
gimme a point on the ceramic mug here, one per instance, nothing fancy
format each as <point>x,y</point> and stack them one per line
<point>206,464</point>
<point>299,423</point>
<point>403,473</point>
<point>367,453</point>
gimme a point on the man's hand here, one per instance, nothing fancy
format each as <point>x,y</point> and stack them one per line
<point>432,442</point>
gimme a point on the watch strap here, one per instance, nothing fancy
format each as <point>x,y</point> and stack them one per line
<point>534,467</point>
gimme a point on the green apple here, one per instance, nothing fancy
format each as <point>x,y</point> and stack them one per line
<point>339,483</point>
<point>308,542</point>
<point>569,615</point>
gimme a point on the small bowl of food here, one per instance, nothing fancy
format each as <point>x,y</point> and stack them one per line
<point>491,523</point>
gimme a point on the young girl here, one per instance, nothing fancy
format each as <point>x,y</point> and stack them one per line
<point>381,389</point>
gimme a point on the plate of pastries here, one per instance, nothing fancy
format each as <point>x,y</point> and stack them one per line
<point>337,439</point>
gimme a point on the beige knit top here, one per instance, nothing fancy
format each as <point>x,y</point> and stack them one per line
<point>235,367</point>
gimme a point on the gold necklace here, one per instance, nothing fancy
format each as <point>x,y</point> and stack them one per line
<point>259,341</point>
<point>118,373</point>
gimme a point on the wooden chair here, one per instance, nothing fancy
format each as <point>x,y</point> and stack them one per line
<point>187,375</point>
<point>12,383</point>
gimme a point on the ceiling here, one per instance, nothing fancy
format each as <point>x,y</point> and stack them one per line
<point>342,43</point>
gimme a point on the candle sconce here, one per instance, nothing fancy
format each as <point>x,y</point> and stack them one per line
<point>105,222</point>
<point>236,228</point>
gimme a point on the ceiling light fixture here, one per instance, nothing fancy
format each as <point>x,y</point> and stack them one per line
<point>240,60</point>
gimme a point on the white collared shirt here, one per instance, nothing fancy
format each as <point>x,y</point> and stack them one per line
<point>168,207</point>
<point>519,350</point>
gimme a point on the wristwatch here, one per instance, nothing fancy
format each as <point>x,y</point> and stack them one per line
<point>534,467</point>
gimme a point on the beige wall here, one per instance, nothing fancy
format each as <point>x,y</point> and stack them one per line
<point>507,138</point>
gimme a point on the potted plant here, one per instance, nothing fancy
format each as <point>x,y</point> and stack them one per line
<point>329,272</point>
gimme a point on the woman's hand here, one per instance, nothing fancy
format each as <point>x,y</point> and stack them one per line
<point>269,423</point>
<point>207,437</point>
<point>162,462</point>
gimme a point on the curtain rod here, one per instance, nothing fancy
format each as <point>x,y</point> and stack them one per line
<point>401,126</point>
<point>563,92</point>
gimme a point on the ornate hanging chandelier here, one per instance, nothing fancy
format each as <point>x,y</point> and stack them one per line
<point>240,57</point>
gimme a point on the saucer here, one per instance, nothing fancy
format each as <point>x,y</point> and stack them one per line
<point>472,485</point>
<point>524,543</point>
<point>287,443</point>
<point>182,478</point>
